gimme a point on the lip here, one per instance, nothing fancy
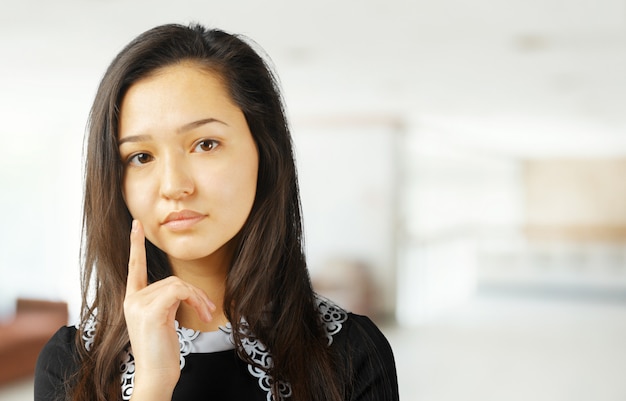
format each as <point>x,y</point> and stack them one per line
<point>182,220</point>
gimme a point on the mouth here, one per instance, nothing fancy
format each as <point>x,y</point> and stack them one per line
<point>182,220</point>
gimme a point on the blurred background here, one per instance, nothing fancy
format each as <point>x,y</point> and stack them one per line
<point>462,169</point>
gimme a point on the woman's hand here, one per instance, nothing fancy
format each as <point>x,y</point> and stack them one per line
<point>150,311</point>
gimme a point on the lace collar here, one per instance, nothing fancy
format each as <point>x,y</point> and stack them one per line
<point>192,341</point>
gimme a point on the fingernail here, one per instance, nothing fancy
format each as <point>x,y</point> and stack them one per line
<point>134,226</point>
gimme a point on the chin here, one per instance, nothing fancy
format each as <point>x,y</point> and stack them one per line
<point>199,254</point>
<point>188,256</point>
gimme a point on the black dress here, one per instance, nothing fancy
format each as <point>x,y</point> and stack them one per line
<point>211,369</point>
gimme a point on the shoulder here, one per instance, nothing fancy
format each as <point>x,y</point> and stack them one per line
<point>361,337</point>
<point>364,352</point>
<point>58,347</point>
<point>56,363</point>
<point>363,329</point>
<point>345,328</point>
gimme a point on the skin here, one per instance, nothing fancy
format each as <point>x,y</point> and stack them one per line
<point>189,182</point>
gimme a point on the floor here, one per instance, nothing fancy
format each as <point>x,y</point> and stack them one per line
<point>516,349</point>
<point>503,349</point>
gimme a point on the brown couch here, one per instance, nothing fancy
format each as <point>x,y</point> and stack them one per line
<point>23,336</point>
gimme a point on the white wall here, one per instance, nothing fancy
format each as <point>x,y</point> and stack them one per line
<point>455,197</point>
<point>349,171</point>
<point>40,176</point>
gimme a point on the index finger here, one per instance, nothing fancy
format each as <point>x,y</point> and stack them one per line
<point>137,265</point>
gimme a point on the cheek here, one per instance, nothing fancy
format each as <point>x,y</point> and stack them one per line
<point>248,181</point>
<point>135,197</point>
<point>236,191</point>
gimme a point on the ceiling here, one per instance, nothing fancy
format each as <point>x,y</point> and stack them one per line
<point>523,78</point>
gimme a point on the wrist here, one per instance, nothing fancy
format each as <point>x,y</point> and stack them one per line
<point>152,389</point>
<point>150,394</point>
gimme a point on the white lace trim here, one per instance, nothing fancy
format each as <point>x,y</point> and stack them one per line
<point>332,316</point>
<point>89,333</point>
<point>185,337</point>
<point>260,354</point>
<point>127,368</point>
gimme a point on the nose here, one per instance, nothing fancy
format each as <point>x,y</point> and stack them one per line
<point>176,180</point>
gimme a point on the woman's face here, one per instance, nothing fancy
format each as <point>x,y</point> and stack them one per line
<point>190,160</point>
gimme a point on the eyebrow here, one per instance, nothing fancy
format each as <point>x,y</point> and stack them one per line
<point>180,130</point>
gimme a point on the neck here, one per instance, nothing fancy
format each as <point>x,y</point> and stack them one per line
<point>209,275</point>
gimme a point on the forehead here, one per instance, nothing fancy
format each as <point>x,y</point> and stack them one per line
<point>185,74</point>
<point>174,95</point>
<point>184,65</point>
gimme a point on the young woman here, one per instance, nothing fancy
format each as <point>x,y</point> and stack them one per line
<point>208,298</point>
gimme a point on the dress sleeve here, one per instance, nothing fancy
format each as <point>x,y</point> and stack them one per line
<point>371,362</point>
<point>55,365</point>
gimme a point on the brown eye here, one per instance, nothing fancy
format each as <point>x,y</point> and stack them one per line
<point>206,145</point>
<point>139,159</point>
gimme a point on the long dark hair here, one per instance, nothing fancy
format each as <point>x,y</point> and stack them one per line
<point>267,286</point>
